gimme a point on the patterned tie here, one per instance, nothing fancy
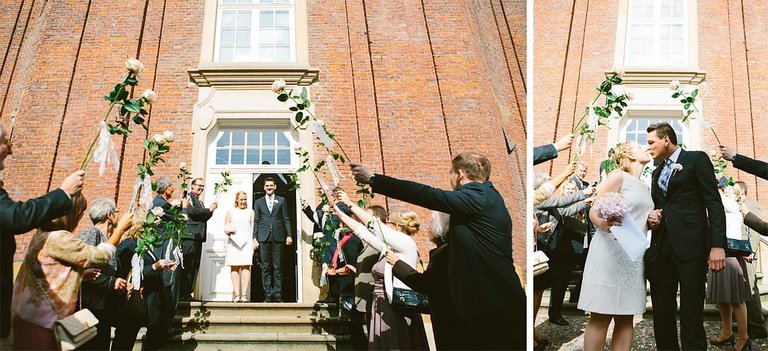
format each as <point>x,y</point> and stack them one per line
<point>270,202</point>
<point>666,173</point>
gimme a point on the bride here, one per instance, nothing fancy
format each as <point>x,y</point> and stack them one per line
<point>613,285</point>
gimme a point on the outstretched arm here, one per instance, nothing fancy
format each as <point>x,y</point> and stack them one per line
<point>19,217</point>
<point>360,230</point>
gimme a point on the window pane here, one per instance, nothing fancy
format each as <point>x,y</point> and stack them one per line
<point>238,138</point>
<point>238,157</point>
<point>268,138</point>
<point>228,18</point>
<point>268,157</point>
<point>282,140</point>
<point>244,19</point>
<point>253,138</point>
<point>283,157</point>
<point>282,36</point>
<point>281,18</point>
<point>266,18</point>
<point>224,140</point>
<point>228,1</point>
<point>282,54</point>
<point>243,38</point>
<point>227,37</point>
<point>266,53</point>
<point>242,53</point>
<point>226,54</point>
<point>266,36</point>
<point>222,157</point>
<point>253,156</point>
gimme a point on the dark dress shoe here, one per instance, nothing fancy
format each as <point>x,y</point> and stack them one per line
<point>727,341</point>
<point>559,321</point>
<point>173,331</point>
<point>747,346</point>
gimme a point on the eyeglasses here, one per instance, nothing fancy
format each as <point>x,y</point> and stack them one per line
<point>199,185</point>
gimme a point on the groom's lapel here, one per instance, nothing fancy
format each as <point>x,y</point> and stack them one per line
<point>655,180</point>
<point>681,159</point>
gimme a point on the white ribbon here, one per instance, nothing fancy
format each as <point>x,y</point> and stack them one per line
<point>332,168</point>
<point>323,275</point>
<point>592,119</point>
<point>105,153</point>
<point>137,264</point>
<point>317,128</point>
<point>144,185</point>
<point>179,256</point>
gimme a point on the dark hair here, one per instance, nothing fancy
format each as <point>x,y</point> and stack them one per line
<point>742,185</point>
<point>194,181</point>
<point>663,129</point>
<point>477,167</point>
<point>269,179</point>
<point>379,212</point>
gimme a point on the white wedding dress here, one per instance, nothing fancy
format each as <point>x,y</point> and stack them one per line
<point>613,284</point>
<point>240,244</point>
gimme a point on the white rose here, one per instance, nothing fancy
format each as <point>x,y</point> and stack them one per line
<point>712,153</point>
<point>184,216</point>
<point>183,165</point>
<point>159,138</point>
<point>630,96</point>
<point>168,136</point>
<point>176,203</point>
<point>618,90</point>
<point>278,86</point>
<point>158,211</point>
<point>150,96</point>
<point>134,66</point>
<point>674,85</point>
<point>619,72</point>
<point>317,235</point>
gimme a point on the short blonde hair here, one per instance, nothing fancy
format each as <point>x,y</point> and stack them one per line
<point>407,220</point>
<point>137,224</point>
<point>238,195</point>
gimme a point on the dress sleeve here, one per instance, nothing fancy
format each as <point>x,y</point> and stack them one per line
<point>65,247</point>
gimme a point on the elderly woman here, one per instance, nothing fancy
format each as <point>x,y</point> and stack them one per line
<point>98,295</point>
<point>48,282</point>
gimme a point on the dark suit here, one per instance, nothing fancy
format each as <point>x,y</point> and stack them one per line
<point>433,282</point>
<point>323,224</point>
<point>271,228</point>
<point>544,153</point>
<point>693,221</point>
<point>192,244</point>
<point>485,288</point>
<point>160,287</point>
<point>16,218</point>
<point>751,166</point>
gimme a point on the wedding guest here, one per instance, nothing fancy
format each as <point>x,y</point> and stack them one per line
<point>539,342</point>
<point>544,186</point>
<point>614,285</point>
<point>48,283</point>
<point>547,152</point>
<point>434,283</point>
<point>326,223</point>
<point>744,163</point>
<point>99,295</point>
<point>344,266</point>
<point>364,282</point>
<point>729,288</point>
<point>17,217</point>
<point>271,232</point>
<point>238,225</point>
<point>580,175</point>
<point>390,328</point>
<point>197,234</point>
<point>755,319</point>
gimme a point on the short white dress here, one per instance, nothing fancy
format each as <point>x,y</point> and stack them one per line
<point>240,244</point>
<point>612,283</point>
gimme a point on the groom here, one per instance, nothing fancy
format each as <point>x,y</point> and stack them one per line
<point>688,237</point>
<point>271,232</point>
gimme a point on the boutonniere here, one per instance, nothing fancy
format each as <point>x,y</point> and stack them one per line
<point>676,168</point>
<point>274,202</point>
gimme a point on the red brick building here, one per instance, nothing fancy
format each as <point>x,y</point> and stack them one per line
<point>403,84</point>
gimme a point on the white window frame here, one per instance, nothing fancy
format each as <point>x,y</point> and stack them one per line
<point>255,8</point>
<point>292,142</point>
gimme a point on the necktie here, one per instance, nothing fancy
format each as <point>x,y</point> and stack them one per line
<point>666,173</point>
<point>269,203</point>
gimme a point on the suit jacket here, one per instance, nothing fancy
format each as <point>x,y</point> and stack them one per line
<point>18,217</point>
<point>751,166</point>
<point>434,283</point>
<point>693,216</point>
<point>348,255</point>
<point>553,210</point>
<point>331,224</point>
<point>197,225</point>
<point>161,251</point>
<point>544,153</point>
<point>276,224</point>
<point>481,270</point>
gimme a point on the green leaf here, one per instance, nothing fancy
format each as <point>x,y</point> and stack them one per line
<point>293,108</point>
<point>695,92</point>
<point>690,99</point>
<point>618,109</point>
<point>132,106</point>
<point>687,106</point>
<point>282,97</point>
<point>123,94</point>
<point>300,106</point>
<point>131,81</point>
<point>616,80</point>
<point>304,93</point>
<point>683,101</point>
<point>299,117</point>
<point>335,155</point>
<point>341,159</point>
<point>154,186</point>
<point>676,95</point>
<point>144,112</point>
<point>137,119</point>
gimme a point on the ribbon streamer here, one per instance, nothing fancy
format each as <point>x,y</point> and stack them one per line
<point>317,128</point>
<point>105,153</point>
<point>332,168</point>
<point>137,264</point>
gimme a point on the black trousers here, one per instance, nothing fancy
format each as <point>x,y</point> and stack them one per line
<point>192,250</point>
<point>755,318</point>
<point>6,293</point>
<point>562,264</point>
<point>271,253</point>
<point>691,276</point>
<point>125,336</point>
<point>103,331</point>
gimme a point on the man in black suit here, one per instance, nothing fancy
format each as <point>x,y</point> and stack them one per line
<point>17,217</point>
<point>326,224</point>
<point>161,288</point>
<point>192,243</point>
<point>688,236</point>
<point>485,288</point>
<point>545,153</point>
<point>271,231</point>
<point>744,163</point>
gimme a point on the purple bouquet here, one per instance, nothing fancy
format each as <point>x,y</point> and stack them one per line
<point>611,207</point>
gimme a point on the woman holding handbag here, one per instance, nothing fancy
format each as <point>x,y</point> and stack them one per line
<point>48,283</point>
<point>390,328</point>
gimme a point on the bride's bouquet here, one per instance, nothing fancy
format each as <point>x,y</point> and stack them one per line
<point>611,207</point>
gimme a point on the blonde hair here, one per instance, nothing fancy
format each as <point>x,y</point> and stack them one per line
<point>137,220</point>
<point>624,154</point>
<point>407,220</point>
<point>70,220</point>
<point>238,195</point>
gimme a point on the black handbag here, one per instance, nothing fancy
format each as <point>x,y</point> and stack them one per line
<point>737,248</point>
<point>407,300</point>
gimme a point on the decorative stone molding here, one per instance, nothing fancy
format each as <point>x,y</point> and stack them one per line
<point>220,75</point>
<point>652,77</point>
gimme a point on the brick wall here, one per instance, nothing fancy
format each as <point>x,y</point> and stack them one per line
<point>574,45</point>
<point>405,85</point>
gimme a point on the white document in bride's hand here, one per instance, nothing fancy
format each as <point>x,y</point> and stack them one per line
<point>631,238</point>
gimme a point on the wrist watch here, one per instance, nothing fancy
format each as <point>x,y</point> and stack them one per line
<point>370,180</point>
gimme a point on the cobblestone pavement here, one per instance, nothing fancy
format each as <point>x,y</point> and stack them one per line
<point>571,337</point>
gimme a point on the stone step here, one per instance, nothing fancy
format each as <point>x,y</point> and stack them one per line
<point>257,324</point>
<point>253,341</point>
<point>211,309</point>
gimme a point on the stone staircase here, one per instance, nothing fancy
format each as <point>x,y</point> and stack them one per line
<point>256,326</point>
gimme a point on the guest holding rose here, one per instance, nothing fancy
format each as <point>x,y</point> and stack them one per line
<point>238,225</point>
<point>48,283</point>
